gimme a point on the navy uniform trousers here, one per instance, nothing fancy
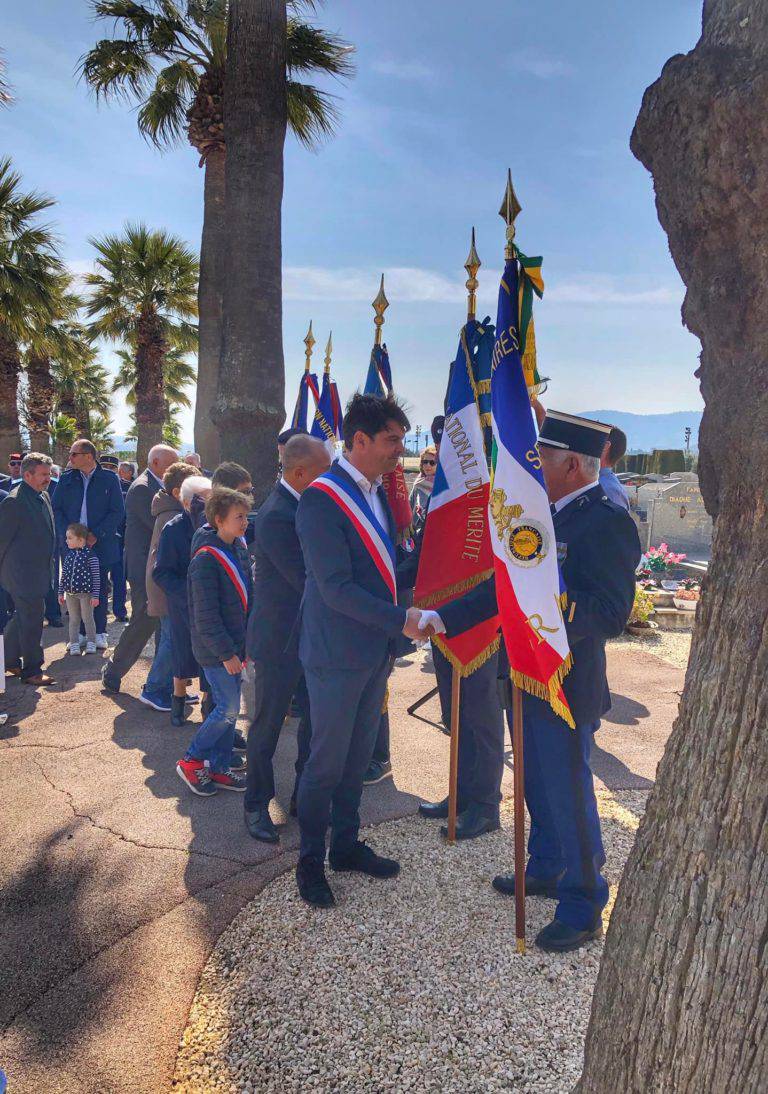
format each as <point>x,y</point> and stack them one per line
<point>481,731</point>
<point>345,707</point>
<point>565,839</point>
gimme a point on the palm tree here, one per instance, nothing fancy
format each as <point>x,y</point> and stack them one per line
<point>144,295</point>
<point>172,62</point>
<point>51,339</point>
<point>100,431</point>
<point>178,375</point>
<point>30,283</point>
<point>63,432</point>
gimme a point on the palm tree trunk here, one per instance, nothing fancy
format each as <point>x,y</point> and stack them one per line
<point>682,996</point>
<point>40,391</point>
<point>150,395</point>
<point>10,368</point>
<point>250,405</point>
<point>209,298</point>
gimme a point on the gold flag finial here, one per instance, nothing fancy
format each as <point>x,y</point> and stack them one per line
<point>328,352</point>
<point>472,265</point>
<point>309,342</point>
<point>510,207</point>
<point>380,305</point>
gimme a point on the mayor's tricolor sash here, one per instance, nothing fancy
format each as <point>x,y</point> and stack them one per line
<point>229,569</point>
<point>351,501</point>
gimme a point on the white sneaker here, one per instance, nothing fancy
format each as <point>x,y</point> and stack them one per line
<point>75,648</point>
<point>102,642</point>
<point>90,647</point>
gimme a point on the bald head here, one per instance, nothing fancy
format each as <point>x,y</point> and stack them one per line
<point>304,458</point>
<point>160,458</point>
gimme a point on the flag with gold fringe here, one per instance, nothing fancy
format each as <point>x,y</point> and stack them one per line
<point>528,583</point>
<point>456,551</point>
<point>379,382</point>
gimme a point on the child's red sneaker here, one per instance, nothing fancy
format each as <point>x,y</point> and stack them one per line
<point>197,777</point>
<point>228,780</point>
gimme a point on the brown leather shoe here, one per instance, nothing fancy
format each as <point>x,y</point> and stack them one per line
<point>39,681</point>
<point>13,672</point>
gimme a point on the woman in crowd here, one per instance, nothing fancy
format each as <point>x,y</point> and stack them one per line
<point>422,487</point>
<point>174,550</point>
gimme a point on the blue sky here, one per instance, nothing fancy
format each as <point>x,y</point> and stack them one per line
<point>447,96</point>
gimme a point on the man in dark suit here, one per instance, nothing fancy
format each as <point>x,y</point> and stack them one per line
<point>27,541</point>
<point>273,634</point>
<point>350,618</point>
<point>52,606</point>
<point>117,570</point>
<point>599,550</point>
<point>90,495</point>
<point>139,523</point>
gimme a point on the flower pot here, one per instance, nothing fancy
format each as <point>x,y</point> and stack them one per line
<point>642,630</point>
<point>685,605</point>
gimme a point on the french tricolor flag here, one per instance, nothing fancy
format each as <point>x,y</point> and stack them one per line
<point>456,552</point>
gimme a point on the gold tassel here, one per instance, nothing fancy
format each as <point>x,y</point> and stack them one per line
<point>452,591</point>
<point>466,670</point>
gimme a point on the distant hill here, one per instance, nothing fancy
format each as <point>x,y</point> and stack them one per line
<point>648,431</point>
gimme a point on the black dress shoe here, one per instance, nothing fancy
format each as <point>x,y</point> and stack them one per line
<point>239,744</point>
<point>436,810</point>
<point>363,860</point>
<point>108,681</point>
<point>558,937</point>
<point>475,821</point>
<point>313,888</point>
<point>534,886</point>
<point>260,826</point>
<point>59,622</point>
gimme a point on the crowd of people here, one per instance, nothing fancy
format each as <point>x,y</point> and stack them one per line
<point>314,590</point>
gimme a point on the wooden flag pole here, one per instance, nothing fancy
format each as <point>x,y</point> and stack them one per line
<point>453,769</point>
<point>519,790</point>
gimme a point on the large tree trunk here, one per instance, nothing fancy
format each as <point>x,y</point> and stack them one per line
<point>151,348</point>
<point>10,368</point>
<point>40,392</point>
<point>250,405</point>
<point>209,298</point>
<point>681,1002</point>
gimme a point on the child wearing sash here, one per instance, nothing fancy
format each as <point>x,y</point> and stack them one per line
<point>219,589</point>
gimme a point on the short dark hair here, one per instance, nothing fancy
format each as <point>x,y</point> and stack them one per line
<point>230,474</point>
<point>32,460</point>
<point>617,445</point>
<point>221,500</point>
<point>78,530</point>
<point>175,475</point>
<point>369,414</point>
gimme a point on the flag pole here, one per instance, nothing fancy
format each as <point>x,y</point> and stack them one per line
<point>510,207</point>
<point>309,342</point>
<point>472,265</point>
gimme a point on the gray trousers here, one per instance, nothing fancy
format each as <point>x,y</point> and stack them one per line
<point>79,608</point>
<point>345,706</point>
<point>135,636</point>
<point>481,730</point>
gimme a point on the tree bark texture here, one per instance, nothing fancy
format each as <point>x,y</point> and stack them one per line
<point>10,368</point>
<point>39,409</point>
<point>209,296</point>
<point>250,405</point>
<point>150,389</point>
<point>681,1002</point>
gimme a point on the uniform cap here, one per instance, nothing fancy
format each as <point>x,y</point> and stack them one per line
<point>112,462</point>
<point>573,434</point>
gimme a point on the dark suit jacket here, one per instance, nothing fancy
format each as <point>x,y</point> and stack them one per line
<point>348,619</point>
<point>278,578</point>
<point>27,541</point>
<point>600,550</point>
<point>105,510</point>
<point>139,524</point>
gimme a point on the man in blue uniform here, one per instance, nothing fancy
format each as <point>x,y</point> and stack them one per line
<point>599,551</point>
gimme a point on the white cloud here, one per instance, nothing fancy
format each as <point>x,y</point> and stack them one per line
<point>411,284</point>
<point>404,70</point>
<point>543,67</point>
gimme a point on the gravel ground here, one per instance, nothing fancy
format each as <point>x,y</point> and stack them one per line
<point>411,984</point>
<point>671,646</point>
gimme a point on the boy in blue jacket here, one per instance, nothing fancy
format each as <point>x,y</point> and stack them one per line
<point>219,587</point>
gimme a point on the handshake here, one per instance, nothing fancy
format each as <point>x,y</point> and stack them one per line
<point>421,625</point>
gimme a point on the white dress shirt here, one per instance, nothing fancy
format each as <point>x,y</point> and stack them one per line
<point>290,489</point>
<point>370,490</point>
<point>561,504</point>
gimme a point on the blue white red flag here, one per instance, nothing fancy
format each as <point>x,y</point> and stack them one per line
<point>528,582</point>
<point>456,549</point>
<point>307,383</point>
<point>324,425</point>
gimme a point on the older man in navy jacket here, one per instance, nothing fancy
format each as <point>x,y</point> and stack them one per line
<point>350,619</point>
<point>89,495</point>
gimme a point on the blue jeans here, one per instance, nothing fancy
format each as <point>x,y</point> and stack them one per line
<point>213,740</point>
<point>160,678</point>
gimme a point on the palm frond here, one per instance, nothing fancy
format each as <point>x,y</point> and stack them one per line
<point>311,49</point>
<point>312,114</point>
<point>163,115</point>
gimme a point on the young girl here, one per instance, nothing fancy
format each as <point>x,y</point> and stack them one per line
<point>219,588</point>
<point>79,587</point>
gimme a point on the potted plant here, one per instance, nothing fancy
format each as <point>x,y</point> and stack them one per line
<point>640,622</point>
<point>687,596</point>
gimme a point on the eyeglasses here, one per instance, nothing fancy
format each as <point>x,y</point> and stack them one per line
<point>14,463</point>
<point>428,463</point>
